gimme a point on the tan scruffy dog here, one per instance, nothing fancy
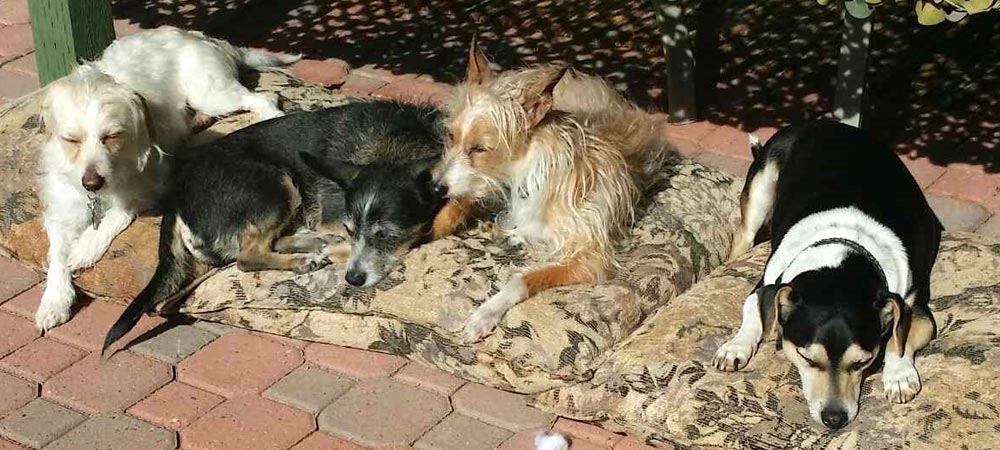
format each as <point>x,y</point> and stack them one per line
<point>570,159</point>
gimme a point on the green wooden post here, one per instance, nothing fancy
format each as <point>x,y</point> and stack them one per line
<point>67,31</point>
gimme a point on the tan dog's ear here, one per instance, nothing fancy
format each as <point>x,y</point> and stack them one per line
<point>536,98</point>
<point>774,302</point>
<point>902,315</point>
<point>478,71</point>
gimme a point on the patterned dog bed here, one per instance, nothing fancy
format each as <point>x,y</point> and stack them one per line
<point>632,353</point>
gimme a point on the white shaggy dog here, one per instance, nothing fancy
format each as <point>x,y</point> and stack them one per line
<point>115,124</point>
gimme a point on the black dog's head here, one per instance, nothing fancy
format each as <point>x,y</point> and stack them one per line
<point>388,209</point>
<point>832,323</point>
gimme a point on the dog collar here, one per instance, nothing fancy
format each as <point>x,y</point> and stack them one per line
<point>856,247</point>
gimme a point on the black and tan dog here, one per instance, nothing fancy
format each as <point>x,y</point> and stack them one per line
<point>853,241</point>
<point>271,196</point>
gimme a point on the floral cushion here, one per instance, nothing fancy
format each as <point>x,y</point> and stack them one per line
<point>554,338</point>
<point>659,383</point>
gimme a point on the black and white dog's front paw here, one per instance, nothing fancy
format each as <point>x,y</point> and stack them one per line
<point>734,355</point>
<point>900,380</point>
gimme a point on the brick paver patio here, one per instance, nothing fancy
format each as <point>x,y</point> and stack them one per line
<point>206,386</point>
<point>209,386</point>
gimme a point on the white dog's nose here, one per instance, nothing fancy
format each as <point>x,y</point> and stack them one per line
<point>92,181</point>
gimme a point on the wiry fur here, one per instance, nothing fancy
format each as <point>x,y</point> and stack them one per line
<point>115,123</point>
<point>568,156</point>
<point>272,196</point>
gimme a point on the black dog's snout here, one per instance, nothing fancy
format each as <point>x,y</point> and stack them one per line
<point>834,419</point>
<point>355,277</point>
<point>439,189</point>
<point>92,181</point>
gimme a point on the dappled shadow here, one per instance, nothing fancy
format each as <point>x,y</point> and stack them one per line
<point>760,64</point>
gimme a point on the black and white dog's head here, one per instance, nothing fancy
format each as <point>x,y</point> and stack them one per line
<point>388,209</point>
<point>833,322</point>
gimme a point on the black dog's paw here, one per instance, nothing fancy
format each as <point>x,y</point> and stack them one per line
<point>312,263</point>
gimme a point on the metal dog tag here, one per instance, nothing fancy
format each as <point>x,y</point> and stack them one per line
<point>96,210</point>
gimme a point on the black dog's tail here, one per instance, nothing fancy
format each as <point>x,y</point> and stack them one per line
<point>176,269</point>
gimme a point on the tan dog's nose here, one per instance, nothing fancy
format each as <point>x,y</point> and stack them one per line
<point>92,181</point>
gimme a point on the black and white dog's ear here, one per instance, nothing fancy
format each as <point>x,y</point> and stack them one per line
<point>892,307</point>
<point>341,172</point>
<point>775,303</point>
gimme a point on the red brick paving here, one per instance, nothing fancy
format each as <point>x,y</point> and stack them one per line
<point>15,41</point>
<point>14,11</point>
<point>41,359</point>
<point>361,86</point>
<point>15,393</point>
<point>429,378</point>
<point>238,364</point>
<point>248,422</point>
<point>973,186</point>
<point>323,441</point>
<point>175,405</point>
<point>415,91</point>
<point>89,325</point>
<point>25,303</point>
<point>353,363</point>
<point>94,385</point>
<point>580,431</point>
<point>17,278</point>
<point>328,72</point>
<point>15,332</point>
<point>728,141</point>
<point>7,445</point>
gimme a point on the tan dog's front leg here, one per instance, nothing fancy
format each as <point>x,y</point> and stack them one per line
<point>451,217</point>
<point>523,286</point>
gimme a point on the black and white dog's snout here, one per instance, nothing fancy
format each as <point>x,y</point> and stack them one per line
<point>834,418</point>
<point>356,277</point>
<point>92,181</point>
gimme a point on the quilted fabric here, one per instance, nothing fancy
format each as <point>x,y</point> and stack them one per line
<point>549,340</point>
<point>659,383</point>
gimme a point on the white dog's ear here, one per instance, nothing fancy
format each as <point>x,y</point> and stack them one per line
<point>143,130</point>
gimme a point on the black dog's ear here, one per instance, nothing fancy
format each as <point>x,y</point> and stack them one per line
<point>340,172</point>
<point>892,306</point>
<point>774,303</point>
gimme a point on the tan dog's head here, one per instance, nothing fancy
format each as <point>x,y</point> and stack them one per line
<point>98,125</point>
<point>490,123</point>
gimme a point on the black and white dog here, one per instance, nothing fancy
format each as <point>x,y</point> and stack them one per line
<point>853,241</point>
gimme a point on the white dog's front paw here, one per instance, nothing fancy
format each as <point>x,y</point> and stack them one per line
<point>480,324</point>
<point>900,380</point>
<point>734,355</point>
<point>52,312</point>
<point>85,254</point>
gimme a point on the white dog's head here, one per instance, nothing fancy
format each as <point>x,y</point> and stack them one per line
<point>99,125</point>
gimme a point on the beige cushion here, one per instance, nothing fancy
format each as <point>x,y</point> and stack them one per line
<point>659,383</point>
<point>556,337</point>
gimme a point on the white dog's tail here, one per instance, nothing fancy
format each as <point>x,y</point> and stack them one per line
<point>550,440</point>
<point>259,59</point>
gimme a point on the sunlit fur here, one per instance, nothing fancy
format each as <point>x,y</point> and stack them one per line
<point>571,183</point>
<point>121,119</point>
